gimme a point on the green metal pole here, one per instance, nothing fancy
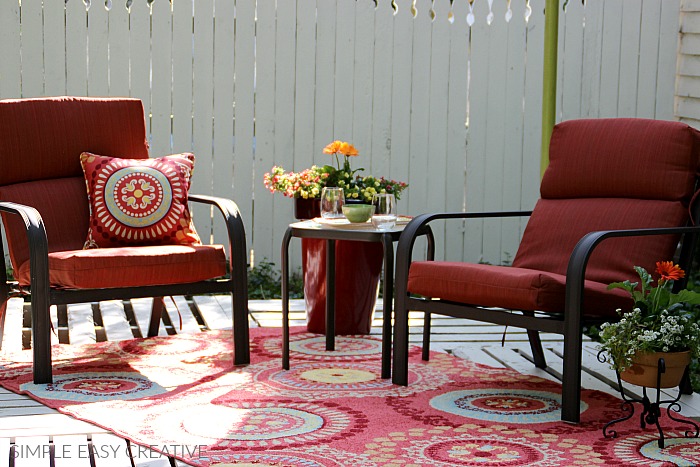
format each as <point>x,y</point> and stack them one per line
<point>549,78</point>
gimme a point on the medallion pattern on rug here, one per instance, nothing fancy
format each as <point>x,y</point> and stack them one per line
<point>332,408</point>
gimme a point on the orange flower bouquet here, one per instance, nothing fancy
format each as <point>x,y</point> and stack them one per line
<point>308,183</point>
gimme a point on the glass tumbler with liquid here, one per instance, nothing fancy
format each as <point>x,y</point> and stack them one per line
<point>332,200</point>
<point>384,217</point>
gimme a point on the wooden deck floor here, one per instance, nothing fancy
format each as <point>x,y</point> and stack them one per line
<point>28,430</point>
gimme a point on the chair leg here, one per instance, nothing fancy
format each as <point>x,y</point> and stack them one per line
<point>400,367</point>
<point>156,314</point>
<point>537,350</point>
<point>41,337</point>
<point>571,380</point>
<point>3,312</point>
<point>426,336</point>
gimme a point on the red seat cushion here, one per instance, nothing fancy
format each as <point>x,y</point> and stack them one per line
<point>132,266</point>
<point>508,287</point>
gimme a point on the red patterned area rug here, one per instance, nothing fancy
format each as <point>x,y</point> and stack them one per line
<point>332,409</point>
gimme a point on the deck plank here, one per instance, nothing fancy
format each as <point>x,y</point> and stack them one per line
<point>81,325</point>
<point>114,320</point>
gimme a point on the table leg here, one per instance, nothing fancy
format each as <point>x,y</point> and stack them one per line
<point>285,298</point>
<point>330,295</point>
<point>388,314</point>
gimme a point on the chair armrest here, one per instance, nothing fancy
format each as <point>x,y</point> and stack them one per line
<point>38,243</point>
<point>417,225</point>
<point>578,261</point>
<point>236,234</point>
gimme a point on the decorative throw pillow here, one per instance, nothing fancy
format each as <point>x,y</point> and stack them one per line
<point>138,201</point>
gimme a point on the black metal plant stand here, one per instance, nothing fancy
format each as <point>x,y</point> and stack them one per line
<point>651,410</point>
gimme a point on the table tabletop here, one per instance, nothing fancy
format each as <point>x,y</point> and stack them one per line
<point>342,229</point>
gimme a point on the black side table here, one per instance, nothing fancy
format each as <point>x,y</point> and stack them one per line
<point>353,232</point>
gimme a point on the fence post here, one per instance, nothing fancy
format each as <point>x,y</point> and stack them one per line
<point>549,78</point>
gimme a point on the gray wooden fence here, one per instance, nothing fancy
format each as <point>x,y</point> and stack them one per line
<point>445,96</point>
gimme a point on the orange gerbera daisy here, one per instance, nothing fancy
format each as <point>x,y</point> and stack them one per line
<point>668,271</point>
<point>347,149</point>
<point>333,148</point>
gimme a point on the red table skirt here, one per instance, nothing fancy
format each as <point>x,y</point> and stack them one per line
<point>358,266</point>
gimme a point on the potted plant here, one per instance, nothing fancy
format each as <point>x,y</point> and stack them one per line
<point>358,264</point>
<point>660,325</point>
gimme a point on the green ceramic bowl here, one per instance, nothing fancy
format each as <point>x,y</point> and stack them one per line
<point>358,213</point>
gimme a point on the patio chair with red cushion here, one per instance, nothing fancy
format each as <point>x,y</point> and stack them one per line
<point>616,194</point>
<point>88,216</point>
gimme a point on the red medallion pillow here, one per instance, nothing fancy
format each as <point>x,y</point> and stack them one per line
<point>138,201</point>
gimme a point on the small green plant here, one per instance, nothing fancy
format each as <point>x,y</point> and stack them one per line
<point>264,282</point>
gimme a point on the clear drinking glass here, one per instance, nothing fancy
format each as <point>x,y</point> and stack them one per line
<point>384,217</point>
<point>332,200</point>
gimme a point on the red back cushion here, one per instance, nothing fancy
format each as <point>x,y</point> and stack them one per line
<point>43,138</point>
<point>40,145</point>
<point>611,174</point>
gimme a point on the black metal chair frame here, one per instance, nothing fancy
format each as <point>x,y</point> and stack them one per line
<point>569,324</point>
<point>43,295</point>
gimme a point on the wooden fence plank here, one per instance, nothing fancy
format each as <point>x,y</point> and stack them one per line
<point>418,132</point>
<point>648,59</point>
<point>610,59</point>
<point>382,89</point>
<point>98,51</point>
<point>477,145</point>
<point>11,63</point>
<point>223,85</point>
<point>668,45</point>
<point>362,82</point>
<point>284,111</point>
<point>76,48</point>
<point>182,77</point>
<point>265,156</point>
<point>513,157</point>
<point>202,113</point>
<point>401,94</point>
<point>325,72</point>
<point>304,85</point>
<point>54,48</point>
<point>119,49</point>
<point>32,53</point>
<point>344,64</point>
<point>629,58</point>
<point>246,186</point>
<point>457,114</point>
<point>140,56</point>
<point>161,66</point>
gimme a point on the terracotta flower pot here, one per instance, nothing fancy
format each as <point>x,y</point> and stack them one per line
<point>643,371</point>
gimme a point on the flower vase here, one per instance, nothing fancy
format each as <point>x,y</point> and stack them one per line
<point>358,266</point>
<point>644,369</point>
<point>307,208</point>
